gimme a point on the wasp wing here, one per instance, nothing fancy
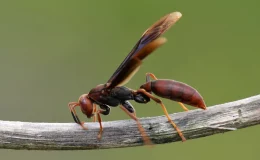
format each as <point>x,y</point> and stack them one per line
<point>149,41</point>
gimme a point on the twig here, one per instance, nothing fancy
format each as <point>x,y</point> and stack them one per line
<point>124,133</point>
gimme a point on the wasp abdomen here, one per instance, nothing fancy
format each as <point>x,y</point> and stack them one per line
<point>176,91</point>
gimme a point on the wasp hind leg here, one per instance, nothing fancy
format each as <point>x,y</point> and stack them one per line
<point>157,100</point>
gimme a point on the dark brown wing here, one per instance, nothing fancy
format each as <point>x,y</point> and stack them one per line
<point>147,44</point>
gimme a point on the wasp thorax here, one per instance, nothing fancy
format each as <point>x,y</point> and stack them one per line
<point>86,105</point>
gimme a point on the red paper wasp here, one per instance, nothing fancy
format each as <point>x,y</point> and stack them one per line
<point>113,93</point>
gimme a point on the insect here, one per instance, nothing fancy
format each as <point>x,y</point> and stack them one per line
<point>113,93</point>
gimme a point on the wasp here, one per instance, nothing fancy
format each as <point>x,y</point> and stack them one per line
<point>113,93</point>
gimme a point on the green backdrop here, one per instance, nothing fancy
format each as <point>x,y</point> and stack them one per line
<point>51,52</point>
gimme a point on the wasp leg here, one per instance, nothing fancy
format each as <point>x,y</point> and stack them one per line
<point>127,105</point>
<point>100,125</point>
<point>157,100</point>
<point>183,106</point>
<point>105,111</point>
<point>145,137</point>
<point>94,112</point>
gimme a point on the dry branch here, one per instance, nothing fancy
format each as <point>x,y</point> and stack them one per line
<point>124,133</point>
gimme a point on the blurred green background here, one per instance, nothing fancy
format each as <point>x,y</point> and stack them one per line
<point>51,52</point>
